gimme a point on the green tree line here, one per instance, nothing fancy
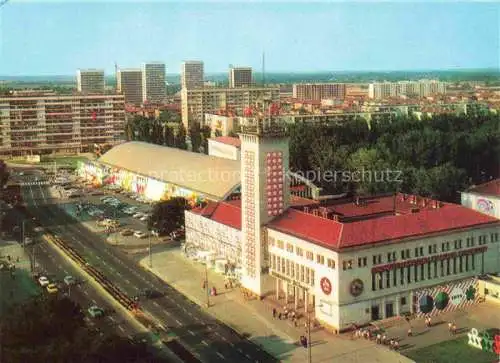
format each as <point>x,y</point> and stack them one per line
<point>435,157</point>
<point>168,132</point>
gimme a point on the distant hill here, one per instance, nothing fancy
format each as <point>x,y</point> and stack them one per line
<point>490,75</point>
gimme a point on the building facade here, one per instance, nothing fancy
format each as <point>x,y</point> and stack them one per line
<point>484,198</point>
<point>240,77</point>
<point>225,147</point>
<point>192,74</point>
<point>196,103</point>
<point>319,91</point>
<point>153,83</point>
<point>90,81</point>
<point>45,124</point>
<point>421,88</point>
<point>129,83</point>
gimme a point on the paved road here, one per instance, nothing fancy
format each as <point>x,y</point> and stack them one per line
<point>208,339</point>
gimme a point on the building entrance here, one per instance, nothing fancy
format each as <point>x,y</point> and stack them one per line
<point>375,312</point>
<point>389,310</point>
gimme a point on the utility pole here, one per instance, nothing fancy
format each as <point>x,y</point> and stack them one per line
<point>309,351</point>
<point>150,252</point>
<point>206,284</point>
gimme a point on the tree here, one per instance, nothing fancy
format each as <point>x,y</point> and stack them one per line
<point>206,132</point>
<point>168,216</point>
<point>168,136</point>
<point>52,329</point>
<point>130,130</point>
<point>195,136</point>
<point>218,133</point>
<point>180,138</point>
<point>4,174</point>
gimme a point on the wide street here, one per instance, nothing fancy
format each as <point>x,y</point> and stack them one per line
<point>208,339</point>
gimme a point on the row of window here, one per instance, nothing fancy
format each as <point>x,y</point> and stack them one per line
<point>292,269</point>
<point>378,259</point>
<point>320,259</point>
<point>432,249</point>
<point>428,271</point>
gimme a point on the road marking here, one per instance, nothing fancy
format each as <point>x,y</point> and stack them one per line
<point>191,332</point>
<point>239,350</point>
<point>94,301</point>
<point>178,322</point>
<point>204,343</point>
<point>127,281</point>
<point>248,356</point>
<point>121,328</point>
<point>60,267</point>
<point>166,312</point>
<point>111,318</point>
<point>85,292</point>
<point>156,304</point>
<point>220,355</point>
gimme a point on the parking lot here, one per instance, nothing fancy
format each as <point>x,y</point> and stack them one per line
<point>107,210</point>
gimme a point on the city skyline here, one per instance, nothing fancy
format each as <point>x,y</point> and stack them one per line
<point>296,37</point>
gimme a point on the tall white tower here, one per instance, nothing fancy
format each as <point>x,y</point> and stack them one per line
<point>264,189</point>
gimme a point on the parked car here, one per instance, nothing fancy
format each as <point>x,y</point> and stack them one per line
<point>127,232</point>
<point>140,234</point>
<point>144,217</point>
<point>150,294</point>
<point>38,229</point>
<point>52,288</point>
<point>43,281</point>
<point>138,215</point>
<point>95,312</point>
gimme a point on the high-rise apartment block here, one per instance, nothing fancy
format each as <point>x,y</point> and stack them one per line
<point>197,102</point>
<point>421,88</point>
<point>319,91</point>
<point>240,77</point>
<point>129,83</point>
<point>90,81</point>
<point>40,123</point>
<point>153,82</point>
<point>192,74</point>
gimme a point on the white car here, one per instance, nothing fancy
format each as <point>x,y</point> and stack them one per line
<point>140,234</point>
<point>144,218</point>
<point>43,281</point>
<point>38,229</point>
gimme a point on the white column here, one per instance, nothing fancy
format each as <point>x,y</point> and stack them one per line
<point>296,296</point>
<point>397,305</point>
<point>306,301</point>
<point>286,292</point>
<point>277,288</point>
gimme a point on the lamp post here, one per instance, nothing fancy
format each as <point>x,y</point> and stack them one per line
<point>206,284</point>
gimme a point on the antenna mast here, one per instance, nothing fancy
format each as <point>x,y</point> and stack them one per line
<point>263,69</point>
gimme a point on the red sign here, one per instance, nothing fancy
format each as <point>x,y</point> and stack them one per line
<point>423,260</point>
<point>496,344</point>
<point>326,286</point>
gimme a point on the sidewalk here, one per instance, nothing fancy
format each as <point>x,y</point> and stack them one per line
<point>254,318</point>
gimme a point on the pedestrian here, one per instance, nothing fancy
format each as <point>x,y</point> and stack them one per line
<point>379,339</point>
<point>396,345</point>
<point>293,315</point>
<point>407,318</point>
<point>279,315</point>
<point>450,326</point>
<point>295,323</point>
<point>410,333</point>
<point>454,329</point>
<point>430,322</point>
<point>274,312</point>
<point>17,259</point>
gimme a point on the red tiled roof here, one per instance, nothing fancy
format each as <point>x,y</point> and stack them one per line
<point>336,235</point>
<point>490,188</point>
<point>296,201</point>
<point>228,140</point>
<point>228,214</point>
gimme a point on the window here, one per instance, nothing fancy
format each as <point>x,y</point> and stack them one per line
<point>299,251</point>
<point>271,241</point>
<point>391,256</point>
<point>312,277</point>
<point>461,263</point>
<point>419,251</point>
<point>408,274</point>
<point>292,270</point>
<point>445,246</point>
<point>402,275</point>
<point>320,259</point>
<point>309,255</point>
<point>405,254</point>
<point>403,300</point>
<point>377,259</point>
<point>347,265</point>
<point>374,282</point>
<point>473,262</point>
<point>494,237</point>
<point>388,279</point>
<point>394,277</point>
<point>448,263</point>
<point>416,273</point>
<point>302,273</point>
<point>422,272</point>
<point>308,275</point>
<point>482,240</point>
<point>429,276</point>
<point>362,262</point>
<point>289,247</point>
<point>281,244</point>
<point>330,263</point>
<point>466,263</point>
<point>469,242</point>
<point>442,267</point>
<point>458,244</point>
<point>380,282</point>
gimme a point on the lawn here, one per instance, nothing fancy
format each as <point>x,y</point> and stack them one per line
<point>71,161</point>
<point>451,351</point>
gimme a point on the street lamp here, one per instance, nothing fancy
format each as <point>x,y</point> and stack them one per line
<point>309,348</point>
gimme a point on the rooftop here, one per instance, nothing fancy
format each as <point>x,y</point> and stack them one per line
<point>208,175</point>
<point>228,140</point>
<point>491,188</point>
<point>360,225</point>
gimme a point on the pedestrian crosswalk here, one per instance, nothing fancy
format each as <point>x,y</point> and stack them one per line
<point>39,182</point>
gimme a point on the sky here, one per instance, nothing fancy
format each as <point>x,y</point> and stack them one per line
<point>56,37</point>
